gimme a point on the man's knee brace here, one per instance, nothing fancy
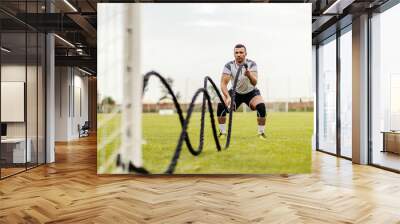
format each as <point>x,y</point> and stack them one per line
<point>221,111</point>
<point>261,110</point>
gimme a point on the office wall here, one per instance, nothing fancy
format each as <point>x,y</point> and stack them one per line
<point>62,81</point>
<point>71,102</point>
<point>80,109</point>
<point>14,73</point>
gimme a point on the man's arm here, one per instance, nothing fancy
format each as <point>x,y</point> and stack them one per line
<point>252,75</point>
<point>224,88</point>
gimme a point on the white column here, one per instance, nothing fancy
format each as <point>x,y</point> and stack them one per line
<point>360,90</point>
<point>314,90</point>
<point>50,99</point>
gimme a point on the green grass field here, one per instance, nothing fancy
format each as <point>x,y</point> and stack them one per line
<point>286,150</point>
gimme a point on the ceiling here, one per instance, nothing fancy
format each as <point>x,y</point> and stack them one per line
<point>75,21</point>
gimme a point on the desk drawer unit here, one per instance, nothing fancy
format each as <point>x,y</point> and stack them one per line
<point>391,142</point>
<point>13,151</point>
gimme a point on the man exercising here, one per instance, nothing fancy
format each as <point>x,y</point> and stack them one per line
<point>245,92</point>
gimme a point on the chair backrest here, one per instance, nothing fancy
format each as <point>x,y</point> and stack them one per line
<point>86,125</point>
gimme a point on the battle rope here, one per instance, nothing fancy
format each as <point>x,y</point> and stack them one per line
<point>185,121</point>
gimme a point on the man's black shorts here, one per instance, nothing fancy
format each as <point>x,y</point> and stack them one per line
<point>244,98</point>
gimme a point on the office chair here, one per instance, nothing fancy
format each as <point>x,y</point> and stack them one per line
<point>84,130</point>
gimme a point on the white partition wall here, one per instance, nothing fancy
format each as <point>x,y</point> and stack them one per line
<point>71,102</point>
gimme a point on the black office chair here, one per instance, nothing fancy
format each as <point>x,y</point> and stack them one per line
<point>84,130</point>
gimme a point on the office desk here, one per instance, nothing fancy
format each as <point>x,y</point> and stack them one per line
<point>391,141</point>
<point>15,148</point>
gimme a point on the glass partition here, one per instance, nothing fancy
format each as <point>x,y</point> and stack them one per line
<point>31,97</point>
<point>327,95</point>
<point>41,107</point>
<point>14,153</point>
<point>23,91</point>
<point>385,89</point>
<point>346,93</point>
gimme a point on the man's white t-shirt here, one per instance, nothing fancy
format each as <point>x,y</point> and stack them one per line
<point>243,85</point>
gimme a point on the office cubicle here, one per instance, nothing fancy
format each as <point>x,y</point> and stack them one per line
<point>22,88</point>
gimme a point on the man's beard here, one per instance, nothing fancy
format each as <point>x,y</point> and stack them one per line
<point>239,61</point>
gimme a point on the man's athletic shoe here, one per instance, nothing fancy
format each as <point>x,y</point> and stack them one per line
<point>262,136</point>
<point>222,135</point>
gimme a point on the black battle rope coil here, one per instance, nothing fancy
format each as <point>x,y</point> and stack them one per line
<point>185,121</point>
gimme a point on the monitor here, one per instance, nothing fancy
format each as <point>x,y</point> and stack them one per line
<point>3,129</point>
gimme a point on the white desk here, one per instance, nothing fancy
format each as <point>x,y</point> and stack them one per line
<point>19,149</point>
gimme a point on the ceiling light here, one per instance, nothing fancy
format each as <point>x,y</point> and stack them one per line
<point>84,71</point>
<point>5,50</point>
<point>64,40</point>
<point>70,5</point>
<point>79,51</point>
<point>338,6</point>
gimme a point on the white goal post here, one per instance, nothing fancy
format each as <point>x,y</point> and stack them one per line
<point>131,122</point>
